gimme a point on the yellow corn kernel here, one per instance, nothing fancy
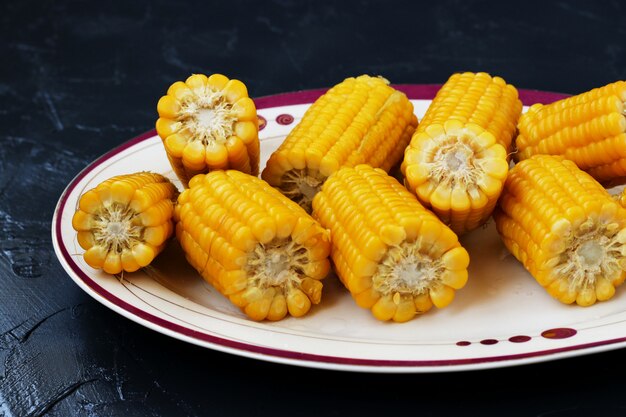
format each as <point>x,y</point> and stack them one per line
<point>278,309</point>
<point>405,309</point>
<point>298,303</point>
<point>385,308</point>
<point>588,129</point>
<point>359,121</point>
<point>253,244</point>
<point>124,222</point>
<point>565,228</point>
<point>457,160</point>
<point>259,306</point>
<point>423,302</point>
<point>367,298</point>
<point>129,263</point>
<point>417,260</point>
<point>209,123</point>
<point>95,256</point>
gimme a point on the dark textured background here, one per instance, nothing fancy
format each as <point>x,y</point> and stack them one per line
<point>76,80</point>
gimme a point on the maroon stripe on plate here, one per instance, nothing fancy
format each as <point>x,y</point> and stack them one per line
<point>424,91</point>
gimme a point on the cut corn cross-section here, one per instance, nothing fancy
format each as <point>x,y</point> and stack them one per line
<point>257,247</point>
<point>565,228</point>
<point>457,160</point>
<point>209,123</point>
<point>125,221</point>
<point>393,255</point>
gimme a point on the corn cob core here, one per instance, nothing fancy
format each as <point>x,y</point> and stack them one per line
<point>361,120</point>
<point>565,228</point>
<point>457,160</point>
<point>253,244</point>
<point>589,129</point>
<point>393,255</point>
<point>124,222</point>
<point>209,123</point>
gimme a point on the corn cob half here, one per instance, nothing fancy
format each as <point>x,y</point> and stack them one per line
<point>565,228</point>
<point>125,221</point>
<point>361,120</point>
<point>589,129</point>
<point>457,160</point>
<point>257,247</point>
<point>393,255</point>
<point>209,123</point>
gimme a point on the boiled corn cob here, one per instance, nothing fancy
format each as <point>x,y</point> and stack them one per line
<point>257,247</point>
<point>361,120</point>
<point>457,160</point>
<point>589,129</point>
<point>393,255</point>
<point>565,228</point>
<point>125,221</point>
<point>209,123</point>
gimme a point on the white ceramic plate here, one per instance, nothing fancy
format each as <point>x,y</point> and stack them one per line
<point>501,318</point>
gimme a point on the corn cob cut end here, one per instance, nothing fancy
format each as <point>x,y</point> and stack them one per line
<point>458,170</point>
<point>576,254</point>
<point>394,256</point>
<point>591,265</point>
<point>209,123</point>
<point>125,221</point>
<point>276,274</point>
<point>414,278</point>
<point>457,159</point>
<point>253,244</point>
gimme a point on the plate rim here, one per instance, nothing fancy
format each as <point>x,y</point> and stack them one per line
<point>161,325</point>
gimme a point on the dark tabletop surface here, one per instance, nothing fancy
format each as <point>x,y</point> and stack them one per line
<point>79,78</point>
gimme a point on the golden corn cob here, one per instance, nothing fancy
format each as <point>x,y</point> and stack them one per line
<point>361,120</point>
<point>125,221</point>
<point>209,123</point>
<point>565,228</point>
<point>457,160</point>
<point>393,255</point>
<point>257,247</point>
<point>589,129</point>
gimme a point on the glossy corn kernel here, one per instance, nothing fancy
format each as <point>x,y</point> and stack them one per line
<point>125,221</point>
<point>361,120</point>
<point>209,123</point>
<point>253,244</point>
<point>457,160</point>
<point>589,129</point>
<point>565,228</point>
<point>393,255</point>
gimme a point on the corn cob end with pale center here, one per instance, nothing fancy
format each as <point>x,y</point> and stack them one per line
<point>457,160</point>
<point>125,221</point>
<point>458,170</point>
<point>565,228</point>
<point>257,247</point>
<point>394,256</point>
<point>209,123</point>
